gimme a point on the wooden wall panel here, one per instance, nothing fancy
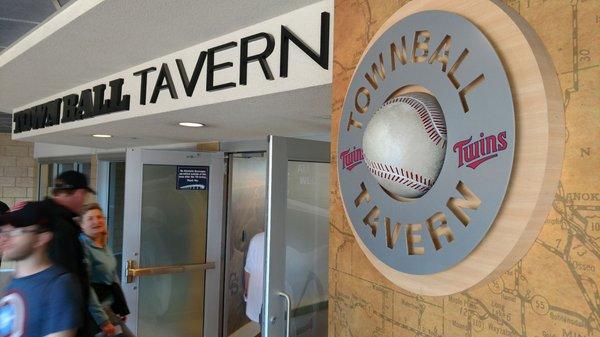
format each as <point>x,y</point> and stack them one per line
<point>554,289</point>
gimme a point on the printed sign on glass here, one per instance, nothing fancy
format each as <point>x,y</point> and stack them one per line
<point>192,177</point>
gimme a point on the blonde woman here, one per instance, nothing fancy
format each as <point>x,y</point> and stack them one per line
<point>104,276</point>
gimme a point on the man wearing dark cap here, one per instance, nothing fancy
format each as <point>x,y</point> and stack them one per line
<point>42,299</point>
<point>68,197</point>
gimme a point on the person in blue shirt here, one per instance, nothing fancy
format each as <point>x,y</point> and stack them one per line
<point>42,299</point>
<point>104,276</point>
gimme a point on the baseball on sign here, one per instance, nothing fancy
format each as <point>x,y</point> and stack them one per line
<point>404,144</point>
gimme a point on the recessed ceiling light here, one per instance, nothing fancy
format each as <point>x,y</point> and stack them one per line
<point>102,136</point>
<point>191,124</point>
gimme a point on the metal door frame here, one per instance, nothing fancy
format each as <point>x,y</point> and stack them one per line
<point>281,150</point>
<point>135,159</point>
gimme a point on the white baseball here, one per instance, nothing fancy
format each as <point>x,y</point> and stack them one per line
<point>404,144</point>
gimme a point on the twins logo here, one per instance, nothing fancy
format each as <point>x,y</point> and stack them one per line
<point>351,158</point>
<point>476,152</point>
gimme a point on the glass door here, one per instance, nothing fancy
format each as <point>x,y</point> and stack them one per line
<point>172,242</point>
<point>296,239</point>
<point>245,219</point>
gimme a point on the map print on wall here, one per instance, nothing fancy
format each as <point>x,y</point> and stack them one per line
<point>554,291</point>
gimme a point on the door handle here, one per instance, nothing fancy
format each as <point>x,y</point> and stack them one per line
<point>288,309</point>
<point>133,271</point>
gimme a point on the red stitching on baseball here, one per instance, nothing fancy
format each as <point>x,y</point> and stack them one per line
<point>431,117</point>
<point>404,177</point>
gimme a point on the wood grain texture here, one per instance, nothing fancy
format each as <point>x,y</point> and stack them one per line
<point>553,289</point>
<point>538,152</point>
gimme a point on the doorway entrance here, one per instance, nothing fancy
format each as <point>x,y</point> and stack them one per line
<point>246,176</point>
<point>175,279</point>
<point>172,242</point>
<point>297,238</point>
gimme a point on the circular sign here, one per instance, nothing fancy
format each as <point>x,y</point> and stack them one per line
<point>450,58</point>
<point>501,127</point>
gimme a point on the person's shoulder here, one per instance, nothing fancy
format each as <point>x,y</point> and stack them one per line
<point>62,279</point>
<point>48,204</point>
<point>259,236</point>
<point>258,239</point>
<point>55,271</point>
<point>50,208</point>
<point>66,279</point>
<point>47,201</point>
<point>84,239</point>
<point>56,211</point>
<point>47,277</point>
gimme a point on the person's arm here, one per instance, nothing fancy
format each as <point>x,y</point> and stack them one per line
<point>95,309</point>
<point>99,315</point>
<point>68,333</point>
<point>94,306</point>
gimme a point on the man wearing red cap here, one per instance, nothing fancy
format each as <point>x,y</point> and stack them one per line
<point>42,299</point>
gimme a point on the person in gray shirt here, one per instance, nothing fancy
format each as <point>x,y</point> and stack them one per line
<point>104,276</point>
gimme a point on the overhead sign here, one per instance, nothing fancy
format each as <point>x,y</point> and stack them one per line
<point>89,103</point>
<point>285,53</point>
<point>192,177</point>
<point>427,142</point>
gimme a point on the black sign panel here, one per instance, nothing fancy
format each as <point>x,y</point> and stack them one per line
<point>192,177</point>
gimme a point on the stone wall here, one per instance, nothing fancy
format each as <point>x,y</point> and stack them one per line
<point>17,170</point>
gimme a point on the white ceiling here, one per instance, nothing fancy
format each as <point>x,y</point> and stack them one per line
<point>17,18</point>
<point>115,35</point>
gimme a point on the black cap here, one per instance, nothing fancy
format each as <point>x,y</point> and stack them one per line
<point>31,213</point>
<point>72,180</point>
<point>3,208</point>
